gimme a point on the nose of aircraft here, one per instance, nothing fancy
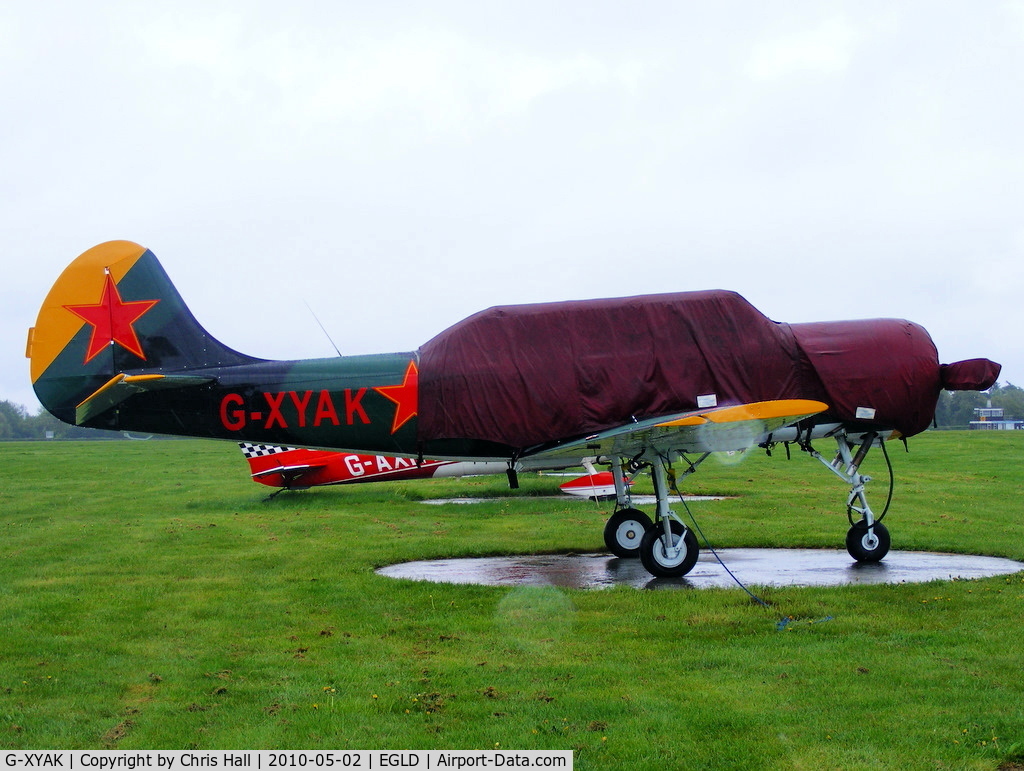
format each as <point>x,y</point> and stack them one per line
<point>969,375</point>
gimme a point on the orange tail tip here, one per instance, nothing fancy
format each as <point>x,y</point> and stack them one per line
<point>81,284</point>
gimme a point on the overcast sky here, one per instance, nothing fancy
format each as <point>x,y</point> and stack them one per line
<point>398,165</point>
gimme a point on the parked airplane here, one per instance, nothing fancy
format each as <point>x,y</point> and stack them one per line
<point>299,468</point>
<point>641,382</point>
<point>595,485</point>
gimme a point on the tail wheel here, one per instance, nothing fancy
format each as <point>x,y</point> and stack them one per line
<point>659,560</point>
<point>867,545</point>
<point>624,531</point>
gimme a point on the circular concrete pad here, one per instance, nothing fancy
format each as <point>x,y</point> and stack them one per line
<point>755,567</point>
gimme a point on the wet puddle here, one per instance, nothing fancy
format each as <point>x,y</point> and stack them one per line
<point>635,500</point>
<point>754,567</point>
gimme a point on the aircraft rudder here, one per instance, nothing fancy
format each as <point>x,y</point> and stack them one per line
<point>113,311</point>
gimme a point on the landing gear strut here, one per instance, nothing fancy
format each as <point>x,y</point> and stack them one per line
<point>666,547</point>
<point>669,549</point>
<point>867,539</point>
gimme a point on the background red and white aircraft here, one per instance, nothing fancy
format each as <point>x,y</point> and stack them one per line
<point>299,468</point>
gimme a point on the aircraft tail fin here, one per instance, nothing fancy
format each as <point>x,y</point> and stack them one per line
<point>277,466</point>
<point>113,324</point>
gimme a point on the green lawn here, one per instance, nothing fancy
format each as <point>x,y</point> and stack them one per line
<point>150,597</point>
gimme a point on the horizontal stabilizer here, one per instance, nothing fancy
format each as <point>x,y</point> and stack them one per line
<point>121,387</point>
<point>290,472</point>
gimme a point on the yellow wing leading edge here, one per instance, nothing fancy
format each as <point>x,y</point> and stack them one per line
<point>717,429</point>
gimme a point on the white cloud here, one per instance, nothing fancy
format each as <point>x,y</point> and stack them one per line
<point>419,84</point>
<point>1014,10</point>
<point>820,51</point>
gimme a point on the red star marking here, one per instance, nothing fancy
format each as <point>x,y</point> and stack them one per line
<point>405,396</point>
<point>112,321</point>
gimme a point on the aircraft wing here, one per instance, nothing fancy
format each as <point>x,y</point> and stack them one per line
<point>717,429</point>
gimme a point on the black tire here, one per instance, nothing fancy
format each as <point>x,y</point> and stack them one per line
<point>657,562</point>
<point>624,531</point>
<point>867,547</point>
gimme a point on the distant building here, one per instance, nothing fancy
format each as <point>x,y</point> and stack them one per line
<point>991,419</point>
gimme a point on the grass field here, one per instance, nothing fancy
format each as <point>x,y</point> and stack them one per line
<point>151,598</point>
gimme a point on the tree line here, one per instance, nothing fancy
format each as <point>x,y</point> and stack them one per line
<point>16,422</point>
<point>955,410</point>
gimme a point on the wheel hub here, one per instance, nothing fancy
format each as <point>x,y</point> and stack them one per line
<point>630,534</point>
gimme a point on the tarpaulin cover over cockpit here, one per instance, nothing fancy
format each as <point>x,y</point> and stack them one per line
<point>524,375</point>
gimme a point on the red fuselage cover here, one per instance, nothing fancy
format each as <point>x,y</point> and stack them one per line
<point>521,375</point>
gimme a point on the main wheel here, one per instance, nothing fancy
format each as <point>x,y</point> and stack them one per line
<point>867,546</point>
<point>624,531</point>
<point>656,558</point>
